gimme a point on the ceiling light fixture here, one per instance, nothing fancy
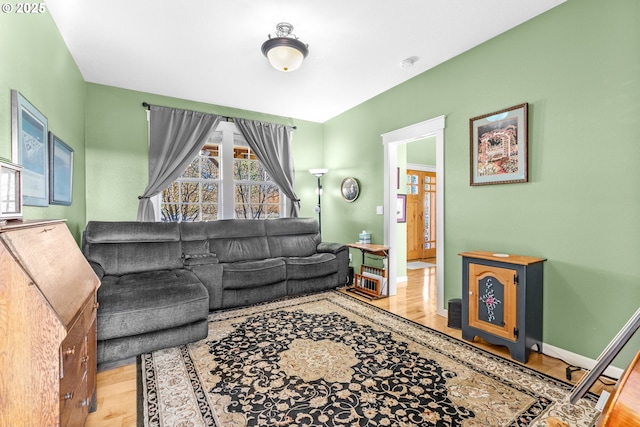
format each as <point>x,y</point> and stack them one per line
<point>285,52</point>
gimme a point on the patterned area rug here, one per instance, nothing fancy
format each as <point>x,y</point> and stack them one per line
<point>331,360</point>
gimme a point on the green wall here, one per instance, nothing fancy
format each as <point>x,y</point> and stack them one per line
<point>578,67</point>
<point>36,62</point>
<point>117,168</point>
<point>422,152</point>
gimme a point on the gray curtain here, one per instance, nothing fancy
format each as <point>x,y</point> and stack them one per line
<point>175,137</point>
<point>271,144</point>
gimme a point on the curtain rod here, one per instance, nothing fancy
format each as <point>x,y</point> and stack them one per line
<point>225,118</point>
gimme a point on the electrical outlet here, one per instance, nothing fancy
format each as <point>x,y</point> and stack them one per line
<point>379,210</point>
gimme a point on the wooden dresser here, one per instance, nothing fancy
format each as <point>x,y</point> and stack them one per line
<point>47,326</point>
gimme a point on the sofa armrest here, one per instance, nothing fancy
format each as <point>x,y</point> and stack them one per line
<point>332,248</point>
<point>97,268</point>
<point>341,253</point>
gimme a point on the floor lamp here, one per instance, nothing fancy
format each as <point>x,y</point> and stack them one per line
<point>318,173</point>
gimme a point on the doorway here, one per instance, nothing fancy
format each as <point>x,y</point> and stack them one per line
<point>391,140</point>
<point>421,215</point>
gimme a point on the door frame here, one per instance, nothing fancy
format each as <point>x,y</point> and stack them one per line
<point>391,140</point>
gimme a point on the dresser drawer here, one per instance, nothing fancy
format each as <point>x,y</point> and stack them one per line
<point>75,360</point>
<point>74,405</point>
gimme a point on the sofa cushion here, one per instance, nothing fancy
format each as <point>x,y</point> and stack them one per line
<point>240,249</point>
<point>138,303</point>
<point>290,237</point>
<point>251,274</point>
<point>231,240</point>
<point>194,238</point>
<point>131,231</point>
<point>132,247</point>
<point>317,265</point>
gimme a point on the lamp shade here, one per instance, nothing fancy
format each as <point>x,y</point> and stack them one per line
<point>318,172</point>
<point>284,53</point>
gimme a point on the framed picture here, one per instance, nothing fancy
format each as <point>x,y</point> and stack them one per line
<point>401,209</point>
<point>499,147</point>
<point>10,190</point>
<point>30,149</point>
<point>61,171</point>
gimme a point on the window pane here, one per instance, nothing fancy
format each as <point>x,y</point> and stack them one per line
<point>271,193</point>
<point>243,211</point>
<point>169,212</point>
<point>209,192</point>
<point>189,192</point>
<point>254,194</point>
<point>255,170</point>
<point>169,203</point>
<point>273,211</point>
<point>241,170</point>
<point>190,213</point>
<point>209,212</point>
<point>210,168</point>
<point>242,193</point>
<point>170,194</point>
<point>193,170</point>
<point>240,152</point>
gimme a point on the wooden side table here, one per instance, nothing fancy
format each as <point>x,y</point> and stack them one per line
<point>371,281</point>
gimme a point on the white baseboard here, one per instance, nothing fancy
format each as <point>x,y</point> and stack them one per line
<point>567,356</point>
<point>578,360</point>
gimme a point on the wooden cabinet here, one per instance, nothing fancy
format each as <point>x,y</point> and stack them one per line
<point>502,300</point>
<point>47,326</point>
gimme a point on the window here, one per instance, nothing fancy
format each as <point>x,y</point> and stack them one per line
<point>194,195</point>
<point>225,180</point>
<point>255,195</point>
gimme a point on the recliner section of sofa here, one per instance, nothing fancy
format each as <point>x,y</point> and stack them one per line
<point>147,299</point>
<point>160,280</point>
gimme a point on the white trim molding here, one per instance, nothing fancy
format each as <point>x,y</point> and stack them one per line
<point>429,128</point>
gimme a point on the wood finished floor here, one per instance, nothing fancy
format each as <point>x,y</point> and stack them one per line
<point>415,300</point>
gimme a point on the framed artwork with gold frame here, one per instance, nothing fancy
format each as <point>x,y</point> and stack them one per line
<point>499,147</point>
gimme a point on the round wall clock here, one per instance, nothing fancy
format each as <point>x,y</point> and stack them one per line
<point>350,189</point>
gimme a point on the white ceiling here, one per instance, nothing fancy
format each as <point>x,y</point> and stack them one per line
<point>209,50</point>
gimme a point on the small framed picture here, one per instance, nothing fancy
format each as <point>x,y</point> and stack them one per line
<point>401,208</point>
<point>30,149</point>
<point>61,171</point>
<point>10,190</point>
<point>498,147</point>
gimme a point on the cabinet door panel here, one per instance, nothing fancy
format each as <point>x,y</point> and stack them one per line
<point>492,300</point>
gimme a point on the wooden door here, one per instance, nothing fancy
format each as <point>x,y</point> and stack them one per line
<point>493,300</point>
<point>421,214</point>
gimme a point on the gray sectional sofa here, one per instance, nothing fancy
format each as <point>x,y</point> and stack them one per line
<point>159,281</point>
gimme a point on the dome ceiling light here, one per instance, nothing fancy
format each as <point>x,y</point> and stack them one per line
<point>285,52</point>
